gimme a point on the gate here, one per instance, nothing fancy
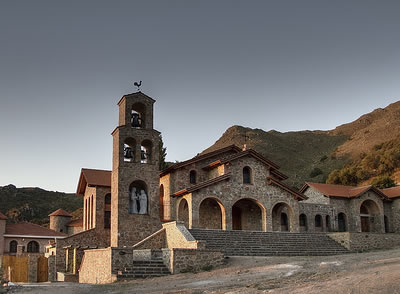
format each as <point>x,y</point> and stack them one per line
<point>42,269</point>
<point>16,268</point>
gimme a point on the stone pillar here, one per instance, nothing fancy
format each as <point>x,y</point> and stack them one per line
<point>51,261</point>
<point>20,250</point>
<point>228,218</point>
<point>32,268</point>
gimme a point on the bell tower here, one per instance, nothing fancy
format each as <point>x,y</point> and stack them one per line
<point>135,174</point>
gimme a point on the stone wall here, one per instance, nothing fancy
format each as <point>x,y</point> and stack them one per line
<point>177,236</point>
<point>24,242</point>
<point>191,260</point>
<point>327,212</point>
<point>89,238</point>
<point>96,267</point>
<point>366,241</point>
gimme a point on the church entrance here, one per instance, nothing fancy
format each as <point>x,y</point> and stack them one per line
<point>370,217</point>
<point>247,215</point>
<point>183,212</point>
<point>212,214</point>
<point>342,222</point>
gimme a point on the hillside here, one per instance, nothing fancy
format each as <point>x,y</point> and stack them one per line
<point>297,153</point>
<point>34,204</point>
<point>313,155</point>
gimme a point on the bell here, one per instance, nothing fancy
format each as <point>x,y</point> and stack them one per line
<point>143,155</point>
<point>135,120</point>
<point>128,153</point>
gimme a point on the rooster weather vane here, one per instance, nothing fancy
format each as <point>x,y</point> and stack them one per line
<point>136,84</point>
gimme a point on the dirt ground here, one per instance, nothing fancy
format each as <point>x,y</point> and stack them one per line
<point>371,272</point>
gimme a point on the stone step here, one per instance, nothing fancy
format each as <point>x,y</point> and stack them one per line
<point>144,269</point>
<point>268,243</point>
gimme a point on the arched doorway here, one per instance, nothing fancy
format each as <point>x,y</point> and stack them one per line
<point>369,216</point>
<point>183,212</point>
<point>342,222</point>
<point>282,218</point>
<point>211,214</point>
<point>318,223</point>
<point>248,215</point>
<point>303,223</point>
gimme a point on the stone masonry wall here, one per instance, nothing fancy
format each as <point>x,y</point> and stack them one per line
<point>366,241</point>
<point>154,241</point>
<point>96,267</point>
<point>311,210</point>
<point>191,260</point>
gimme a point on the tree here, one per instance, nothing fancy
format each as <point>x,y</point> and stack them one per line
<point>163,153</point>
<point>383,182</point>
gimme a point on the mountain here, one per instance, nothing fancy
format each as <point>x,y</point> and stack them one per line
<point>35,204</point>
<point>313,155</point>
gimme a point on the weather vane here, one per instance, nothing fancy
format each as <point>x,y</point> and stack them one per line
<point>136,84</point>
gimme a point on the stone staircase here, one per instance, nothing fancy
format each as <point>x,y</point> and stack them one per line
<point>253,243</point>
<point>144,269</point>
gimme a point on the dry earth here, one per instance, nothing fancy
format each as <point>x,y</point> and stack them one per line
<point>371,272</point>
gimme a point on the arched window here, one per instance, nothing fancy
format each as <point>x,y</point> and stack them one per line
<point>303,220</point>
<point>107,211</point>
<point>138,198</point>
<point>342,222</point>
<point>129,150</point>
<point>162,202</point>
<point>145,151</point>
<point>318,221</point>
<point>192,177</point>
<point>13,246</point>
<point>138,115</point>
<point>33,247</point>
<point>246,175</point>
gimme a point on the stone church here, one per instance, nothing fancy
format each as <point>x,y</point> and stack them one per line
<point>135,207</point>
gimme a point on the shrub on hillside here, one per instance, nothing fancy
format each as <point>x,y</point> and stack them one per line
<point>383,182</point>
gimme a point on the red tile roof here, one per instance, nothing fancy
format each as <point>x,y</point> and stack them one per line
<point>60,212</point>
<point>93,177</point>
<point>342,191</point>
<point>2,216</point>
<point>75,223</point>
<point>29,229</point>
<point>391,193</point>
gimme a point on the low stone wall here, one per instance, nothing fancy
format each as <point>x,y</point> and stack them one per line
<point>154,241</point>
<point>121,257</point>
<point>96,267</point>
<point>191,260</point>
<point>366,241</point>
<point>177,236</point>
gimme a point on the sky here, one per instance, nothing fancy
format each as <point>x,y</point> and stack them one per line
<point>282,65</point>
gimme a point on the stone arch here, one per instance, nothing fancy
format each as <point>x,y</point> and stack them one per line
<point>212,214</point>
<point>138,198</point>
<point>247,175</point>
<point>183,211</point>
<point>342,222</point>
<point>13,246</point>
<point>303,225</point>
<point>248,215</point>
<point>370,217</point>
<point>280,213</point>
<point>129,149</point>
<point>138,115</point>
<point>146,151</point>
<point>33,247</point>
<point>318,223</point>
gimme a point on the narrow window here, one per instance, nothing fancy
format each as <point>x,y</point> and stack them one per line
<point>13,246</point>
<point>192,177</point>
<point>318,221</point>
<point>246,175</point>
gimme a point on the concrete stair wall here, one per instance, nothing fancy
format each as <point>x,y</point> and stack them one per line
<point>255,243</point>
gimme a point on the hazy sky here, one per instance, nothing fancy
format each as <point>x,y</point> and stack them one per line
<point>283,65</point>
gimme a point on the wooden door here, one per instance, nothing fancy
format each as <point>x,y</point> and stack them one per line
<point>42,269</point>
<point>16,268</point>
<point>364,224</point>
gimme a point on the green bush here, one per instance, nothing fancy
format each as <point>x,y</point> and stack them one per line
<point>383,182</point>
<point>315,172</point>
